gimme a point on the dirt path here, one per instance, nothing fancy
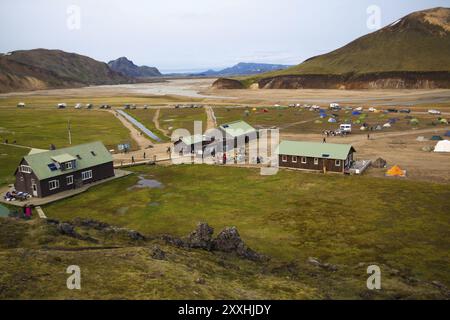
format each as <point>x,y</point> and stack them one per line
<point>211,121</point>
<point>147,149</point>
<point>156,122</point>
<point>142,141</point>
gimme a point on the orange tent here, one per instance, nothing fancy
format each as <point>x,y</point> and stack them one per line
<point>396,171</point>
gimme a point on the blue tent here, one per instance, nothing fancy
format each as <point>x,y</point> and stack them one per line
<point>356,113</point>
<point>447,134</point>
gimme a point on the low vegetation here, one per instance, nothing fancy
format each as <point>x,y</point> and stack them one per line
<point>39,128</point>
<point>10,157</point>
<point>290,216</point>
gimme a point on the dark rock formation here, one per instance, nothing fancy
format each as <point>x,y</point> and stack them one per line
<point>158,254</point>
<point>228,240</point>
<point>225,83</point>
<point>129,69</point>
<point>201,237</point>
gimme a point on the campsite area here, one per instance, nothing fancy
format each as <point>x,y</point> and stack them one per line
<point>295,218</point>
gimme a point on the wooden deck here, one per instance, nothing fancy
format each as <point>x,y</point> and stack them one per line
<point>59,196</point>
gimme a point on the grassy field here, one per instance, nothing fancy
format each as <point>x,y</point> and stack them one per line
<point>145,116</point>
<point>9,159</point>
<point>290,216</point>
<point>171,119</point>
<point>39,128</point>
<point>296,120</point>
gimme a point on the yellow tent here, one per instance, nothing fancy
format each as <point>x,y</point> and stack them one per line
<point>254,109</point>
<point>396,171</point>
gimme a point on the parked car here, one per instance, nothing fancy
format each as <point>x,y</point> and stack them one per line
<point>433,111</point>
<point>78,106</point>
<point>345,127</point>
<point>392,110</point>
<point>61,105</point>
<point>372,109</point>
<point>405,110</point>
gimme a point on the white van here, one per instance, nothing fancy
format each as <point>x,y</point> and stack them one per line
<point>345,127</point>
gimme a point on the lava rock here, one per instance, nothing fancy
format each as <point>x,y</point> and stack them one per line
<point>201,237</point>
<point>158,254</point>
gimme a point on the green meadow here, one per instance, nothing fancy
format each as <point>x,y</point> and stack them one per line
<point>38,128</point>
<point>289,216</point>
<point>10,157</point>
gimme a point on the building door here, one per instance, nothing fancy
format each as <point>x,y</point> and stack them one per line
<point>34,189</point>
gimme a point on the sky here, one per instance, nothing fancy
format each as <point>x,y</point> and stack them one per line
<point>196,35</point>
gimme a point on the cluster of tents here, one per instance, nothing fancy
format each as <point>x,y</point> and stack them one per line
<point>441,145</point>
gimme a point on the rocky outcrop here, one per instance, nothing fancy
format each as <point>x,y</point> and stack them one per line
<point>228,240</point>
<point>385,80</point>
<point>225,83</point>
<point>129,69</point>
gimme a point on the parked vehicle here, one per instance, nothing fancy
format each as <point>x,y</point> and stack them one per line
<point>372,109</point>
<point>345,127</point>
<point>433,111</point>
<point>392,110</point>
<point>405,110</point>
<point>61,105</point>
<point>78,106</point>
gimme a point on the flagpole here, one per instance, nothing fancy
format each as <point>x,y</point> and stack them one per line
<point>70,134</point>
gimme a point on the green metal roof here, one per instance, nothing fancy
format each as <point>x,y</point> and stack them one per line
<point>196,138</point>
<point>315,149</point>
<point>83,155</point>
<point>237,128</point>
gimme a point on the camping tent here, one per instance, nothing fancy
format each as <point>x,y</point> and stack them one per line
<point>442,146</point>
<point>332,120</point>
<point>447,134</point>
<point>414,121</point>
<point>387,125</point>
<point>421,138</point>
<point>379,163</point>
<point>356,113</point>
<point>396,171</point>
<point>436,138</point>
<point>443,121</point>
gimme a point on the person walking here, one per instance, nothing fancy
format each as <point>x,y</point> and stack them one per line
<point>368,136</point>
<point>324,140</point>
<point>132,159</point>
<point>144,155</point>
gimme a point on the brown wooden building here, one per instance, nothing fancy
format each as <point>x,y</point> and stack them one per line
<point>325,157</point>
<point>42,173</point>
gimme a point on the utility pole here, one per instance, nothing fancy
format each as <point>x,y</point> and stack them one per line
<point>70,134</point>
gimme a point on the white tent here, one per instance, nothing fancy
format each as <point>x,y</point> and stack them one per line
<point>442,146</point>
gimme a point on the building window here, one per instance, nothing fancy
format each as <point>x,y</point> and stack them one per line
<point>303,159</point>
<point>25,169</point>
<point>69,165</point>
<point>294,159</point>
<point>284,158</point>
<point>69,180</point>
<point>54,184</point>
<point>337,163</point>
<point>86,175</point>
<point>316,161</point>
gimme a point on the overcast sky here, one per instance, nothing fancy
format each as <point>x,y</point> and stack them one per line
<point>176,35</point>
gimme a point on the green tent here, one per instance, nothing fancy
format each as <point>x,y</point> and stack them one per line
<point>436,138</point>
<point>414,121</point>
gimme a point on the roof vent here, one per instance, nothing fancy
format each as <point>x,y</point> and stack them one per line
<point>93,153</point>
<point>78,157</point>
<point>325,155</point>
<point>52,167</point>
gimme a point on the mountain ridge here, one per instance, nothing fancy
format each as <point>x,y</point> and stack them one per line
<point>126,67</point>
<point>415,45</point>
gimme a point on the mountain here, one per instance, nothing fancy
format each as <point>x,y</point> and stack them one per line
<point>46,69</point>
<point>412,52</point>
<point>244,68</point>
<point>129,69</point>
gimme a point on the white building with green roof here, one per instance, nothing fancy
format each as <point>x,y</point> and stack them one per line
<point>45,172</point>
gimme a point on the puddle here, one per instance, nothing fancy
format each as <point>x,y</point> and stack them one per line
<point>146,183</point>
